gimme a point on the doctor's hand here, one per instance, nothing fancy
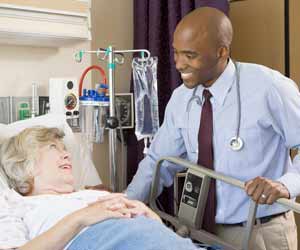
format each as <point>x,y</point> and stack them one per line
<point>266,191</point>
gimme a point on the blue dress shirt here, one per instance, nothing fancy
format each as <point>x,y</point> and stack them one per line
<point>270,126</point>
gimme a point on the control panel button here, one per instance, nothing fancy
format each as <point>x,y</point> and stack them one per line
<point>189,186</point>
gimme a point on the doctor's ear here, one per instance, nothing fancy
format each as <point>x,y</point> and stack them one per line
<point>223,52</point>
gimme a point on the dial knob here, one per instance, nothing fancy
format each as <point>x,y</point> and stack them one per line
<point>70,101</point>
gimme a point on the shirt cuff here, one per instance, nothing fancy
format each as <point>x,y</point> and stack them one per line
<point>292,183</point>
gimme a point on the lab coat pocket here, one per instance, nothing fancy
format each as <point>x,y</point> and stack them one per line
<point>250,155</point>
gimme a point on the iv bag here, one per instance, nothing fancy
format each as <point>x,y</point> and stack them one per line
<point>145,94</point>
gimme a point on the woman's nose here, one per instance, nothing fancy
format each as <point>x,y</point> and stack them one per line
<point>66,155</point>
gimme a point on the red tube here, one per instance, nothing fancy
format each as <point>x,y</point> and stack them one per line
<point>102,72</point>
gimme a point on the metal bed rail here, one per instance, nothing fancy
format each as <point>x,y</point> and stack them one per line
<point>201,234</point>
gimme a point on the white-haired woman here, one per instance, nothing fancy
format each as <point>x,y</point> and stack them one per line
<point>53,216</point>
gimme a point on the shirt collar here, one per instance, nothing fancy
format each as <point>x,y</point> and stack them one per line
<point>222,85</point>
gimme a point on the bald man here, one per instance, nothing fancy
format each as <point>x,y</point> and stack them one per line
<point>269,128</point>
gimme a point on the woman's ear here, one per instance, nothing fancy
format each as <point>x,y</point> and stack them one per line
<point>26,187</point>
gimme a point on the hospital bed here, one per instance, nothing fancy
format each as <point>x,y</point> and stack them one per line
<point>198,234</point>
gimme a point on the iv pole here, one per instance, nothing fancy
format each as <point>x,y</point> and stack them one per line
<point>112,57</point>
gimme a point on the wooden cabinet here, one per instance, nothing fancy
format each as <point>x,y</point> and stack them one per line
<point>44,23</point>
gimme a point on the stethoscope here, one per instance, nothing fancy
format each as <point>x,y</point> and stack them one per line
<point>236,143</point>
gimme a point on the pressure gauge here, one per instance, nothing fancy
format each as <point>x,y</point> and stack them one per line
<point>124,106</point>
<point>70,101</point>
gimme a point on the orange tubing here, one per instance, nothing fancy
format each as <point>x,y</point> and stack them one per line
<point>102,72</point>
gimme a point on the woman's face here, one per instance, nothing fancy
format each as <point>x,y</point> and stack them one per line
<point>53,170</point>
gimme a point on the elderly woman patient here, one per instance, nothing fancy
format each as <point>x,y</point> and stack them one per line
<point>51,215</point>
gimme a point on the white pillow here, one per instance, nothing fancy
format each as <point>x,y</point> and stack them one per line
<point>83,168</point>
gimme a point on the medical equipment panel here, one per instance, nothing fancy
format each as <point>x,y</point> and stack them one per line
<point>15,108</point>
<point>5,114</point>
<point>44,106</point>
<point>124,107</point>
<point>21,107</point>
<point>193,198</point>
<point>63,96</point>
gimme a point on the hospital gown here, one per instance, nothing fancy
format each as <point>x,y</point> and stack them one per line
<point>24,218</point>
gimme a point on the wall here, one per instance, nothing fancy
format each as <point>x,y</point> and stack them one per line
<point>63,5</point>
<point>259,38</point>
<point>112,25</point>
<point>22,65</point>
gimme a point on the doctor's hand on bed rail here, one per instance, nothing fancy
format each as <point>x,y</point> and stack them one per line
<point>266,191</point>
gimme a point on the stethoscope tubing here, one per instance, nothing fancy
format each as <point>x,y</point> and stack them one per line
<point>236,142</point>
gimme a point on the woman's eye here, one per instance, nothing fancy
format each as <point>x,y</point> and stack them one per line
<point>52,146</point>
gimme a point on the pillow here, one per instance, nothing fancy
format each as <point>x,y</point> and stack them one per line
<point>83,168</point>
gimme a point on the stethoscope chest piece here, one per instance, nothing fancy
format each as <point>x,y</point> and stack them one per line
<point>236,143</point>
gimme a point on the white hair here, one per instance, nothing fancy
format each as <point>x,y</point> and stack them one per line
<point>18,155</point>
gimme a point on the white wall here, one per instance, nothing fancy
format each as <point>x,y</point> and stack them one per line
<point>20,66</point>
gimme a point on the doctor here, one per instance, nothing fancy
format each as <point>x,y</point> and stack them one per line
<point>263,111</point>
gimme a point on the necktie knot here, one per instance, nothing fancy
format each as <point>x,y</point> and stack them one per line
<point>206,94</point>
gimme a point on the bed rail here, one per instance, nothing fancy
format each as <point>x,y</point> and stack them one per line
<point>202,235</point>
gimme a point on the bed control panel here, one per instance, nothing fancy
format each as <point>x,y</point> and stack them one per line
<point>193,199</point>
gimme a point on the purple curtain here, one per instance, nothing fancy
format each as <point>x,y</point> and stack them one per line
<point>154,24</point>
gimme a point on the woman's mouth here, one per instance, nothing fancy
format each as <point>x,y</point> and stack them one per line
<point>66,167</point>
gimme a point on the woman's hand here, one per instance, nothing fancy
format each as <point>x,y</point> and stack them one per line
<point>107,207</point>
<point>113,206</point>
<point>136,208</point>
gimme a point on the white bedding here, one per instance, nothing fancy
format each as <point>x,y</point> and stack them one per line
<point>24,218</point>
